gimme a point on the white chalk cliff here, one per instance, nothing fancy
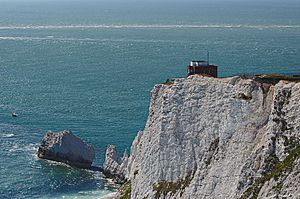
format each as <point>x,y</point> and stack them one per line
<point>115,166</point>
<point>66,147</point>
<point>218,138</point>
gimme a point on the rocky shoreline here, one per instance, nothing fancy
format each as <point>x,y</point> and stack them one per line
<point>65,147</point>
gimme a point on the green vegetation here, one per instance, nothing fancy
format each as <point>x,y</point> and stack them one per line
<point>169,82</point>
<point>275,78</point>
<point>165,187</point>
<point>245,97</point>
<point>279,169</point>
<point>271,162</point>
<point>290,143</point>
<point>125,190</point>
<point>279,76</point>
<point>278,186</point>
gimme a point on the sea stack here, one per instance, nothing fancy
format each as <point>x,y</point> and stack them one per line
<point>114,166</point>
<point>66,147</point>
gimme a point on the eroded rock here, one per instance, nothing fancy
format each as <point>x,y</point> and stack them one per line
<point>66,147</point>
<point>115,166</point>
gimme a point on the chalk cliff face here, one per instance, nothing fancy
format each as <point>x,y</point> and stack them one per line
<point>218,138</point>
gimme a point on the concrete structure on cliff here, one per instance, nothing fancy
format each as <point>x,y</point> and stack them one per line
<point>202,67</point>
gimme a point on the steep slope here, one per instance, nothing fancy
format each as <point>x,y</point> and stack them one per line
<point>218,138</point>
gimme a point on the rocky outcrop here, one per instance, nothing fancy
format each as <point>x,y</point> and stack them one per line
<point>218,138</point>
<point>114,166</point>
<point>66,147</point>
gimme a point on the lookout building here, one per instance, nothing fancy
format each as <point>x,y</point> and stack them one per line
<point>202,67</point>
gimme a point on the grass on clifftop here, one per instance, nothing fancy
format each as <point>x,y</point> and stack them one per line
<point>169,82</point>
<point>275,78</point>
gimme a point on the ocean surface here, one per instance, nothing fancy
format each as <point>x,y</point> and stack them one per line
<point>89,66</point>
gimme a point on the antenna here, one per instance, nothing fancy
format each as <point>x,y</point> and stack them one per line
<point>208,57</point>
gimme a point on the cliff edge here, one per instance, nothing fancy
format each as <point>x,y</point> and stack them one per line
<point>218,138</point>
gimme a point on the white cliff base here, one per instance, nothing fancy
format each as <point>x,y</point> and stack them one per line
<point>218,138</point>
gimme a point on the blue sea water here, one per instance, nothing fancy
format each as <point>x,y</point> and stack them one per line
<point>89,66</point>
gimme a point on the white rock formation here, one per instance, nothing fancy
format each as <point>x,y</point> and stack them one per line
<point>66,147</point>
<point>115,166</point>
<point>218,138</point>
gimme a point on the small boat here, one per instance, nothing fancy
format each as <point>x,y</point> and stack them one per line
<point>13,114</point>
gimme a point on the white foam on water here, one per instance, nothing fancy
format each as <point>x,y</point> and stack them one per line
<point>173,26</point>
<point>49,38</point>
<point>23,38</point>
<point>108,196</point>
<point>93,194</point>
<point>29,148</point>
<point>52,38</point>
<point>9,135</point>
<point>55,163</point>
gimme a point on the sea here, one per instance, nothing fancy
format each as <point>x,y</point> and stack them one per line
<point>89,66</point>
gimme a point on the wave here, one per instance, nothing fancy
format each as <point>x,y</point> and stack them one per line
<point>92,194</point>
<point>49,38</point>
<point>9,135</point>
<point>153,26</point>
<point>32,148</point>
<point>109,195</point>
<point>63,39</point>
